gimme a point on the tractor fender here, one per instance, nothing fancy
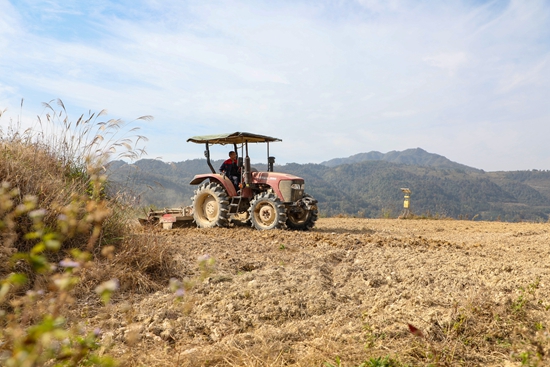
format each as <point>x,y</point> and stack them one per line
<point>216,177</point>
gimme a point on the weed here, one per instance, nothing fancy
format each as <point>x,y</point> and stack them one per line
<point>387,213</point>
<point>35,330</point>
<point>370,337</point>
<point>518,306</point>
<point>380,362</point>
<point>372,362</point>
<point>336,360</point>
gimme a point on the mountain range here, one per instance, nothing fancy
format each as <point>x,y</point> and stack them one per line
<point>367,185</point>
<point>418,157</point>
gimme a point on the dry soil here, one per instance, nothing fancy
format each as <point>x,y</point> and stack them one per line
<point>348,288</point>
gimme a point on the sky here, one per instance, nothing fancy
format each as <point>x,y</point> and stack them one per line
<point>466,79</point>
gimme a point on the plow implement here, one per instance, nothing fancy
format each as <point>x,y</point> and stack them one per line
<point>169,217</point>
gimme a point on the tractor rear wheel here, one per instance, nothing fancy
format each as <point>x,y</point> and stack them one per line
<point>211,206</point>
<point>301,219</point>
<point>267,212</point>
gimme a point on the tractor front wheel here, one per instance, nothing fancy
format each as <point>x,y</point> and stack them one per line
<point>267,212</point>
<point>302,219</point>
<point>210,206</point>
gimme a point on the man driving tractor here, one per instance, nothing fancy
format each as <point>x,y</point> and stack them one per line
<point>230,168</point>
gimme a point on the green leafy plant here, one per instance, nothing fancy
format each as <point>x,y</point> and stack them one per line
<point>526,293</point>
<point>336,360</point>
<point>380,362</point>
<point>35,330</point>
<point>371,362</point>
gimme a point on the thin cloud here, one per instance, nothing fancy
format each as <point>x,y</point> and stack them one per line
<point>331,78</point>
<point>535,75</point>
<point>448,61</point>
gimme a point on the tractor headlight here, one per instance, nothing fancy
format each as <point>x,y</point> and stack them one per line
<point>297,186</point>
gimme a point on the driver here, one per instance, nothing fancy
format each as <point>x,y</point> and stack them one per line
<point>231,170</point>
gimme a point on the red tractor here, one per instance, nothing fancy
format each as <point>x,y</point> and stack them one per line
<point>267,200</point>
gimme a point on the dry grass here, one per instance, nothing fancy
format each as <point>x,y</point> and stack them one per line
<point>54,204</point>
<point>140,262</point>
<point>480,330</point>
<point>60,164</point>
<point>35,171</point>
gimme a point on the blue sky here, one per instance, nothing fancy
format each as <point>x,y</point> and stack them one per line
<point>467,79</point>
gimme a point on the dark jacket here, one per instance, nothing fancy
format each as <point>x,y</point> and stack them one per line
<point>230,168</point>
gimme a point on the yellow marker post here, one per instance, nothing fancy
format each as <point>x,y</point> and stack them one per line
<point>406,203</point>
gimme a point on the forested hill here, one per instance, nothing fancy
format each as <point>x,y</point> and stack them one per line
<point>370,188</point>
<point>417,157</point>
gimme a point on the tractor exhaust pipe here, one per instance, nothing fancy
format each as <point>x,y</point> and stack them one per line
<point>207,156</point>
<point>247,173</point>
<point>270,160</point>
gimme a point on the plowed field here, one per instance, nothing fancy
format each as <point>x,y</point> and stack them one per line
<point>478,293</point>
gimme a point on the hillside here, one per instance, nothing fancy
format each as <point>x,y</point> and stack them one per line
<point>416,157</point>
<point>371,188</point>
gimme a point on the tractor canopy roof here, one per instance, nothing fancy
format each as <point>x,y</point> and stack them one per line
<point>232,138</point>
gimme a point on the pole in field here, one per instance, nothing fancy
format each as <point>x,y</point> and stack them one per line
<point>406,203</point>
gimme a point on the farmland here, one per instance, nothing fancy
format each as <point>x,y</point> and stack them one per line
<point>474,293</point>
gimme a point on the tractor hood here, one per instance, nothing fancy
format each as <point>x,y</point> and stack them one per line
<point>269,177</point>
<point>232,138</point>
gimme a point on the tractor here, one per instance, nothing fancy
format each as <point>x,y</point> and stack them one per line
<point>266,200</point>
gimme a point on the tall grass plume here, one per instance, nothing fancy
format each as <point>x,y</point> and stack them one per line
<point>56,218</point>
